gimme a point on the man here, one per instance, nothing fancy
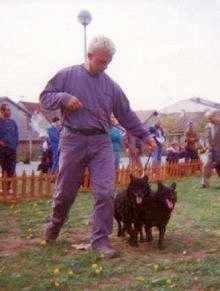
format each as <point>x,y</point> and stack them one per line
<point>8,143</point>
<point>212,154</point>
<point>87,97</point>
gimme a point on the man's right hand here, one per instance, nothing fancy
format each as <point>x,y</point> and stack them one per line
<point>73,104</point>
<point>2,144</point>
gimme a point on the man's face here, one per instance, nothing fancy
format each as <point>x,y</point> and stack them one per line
<point>98,61</point>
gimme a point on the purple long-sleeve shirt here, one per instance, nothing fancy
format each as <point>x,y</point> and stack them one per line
<point>100,96</point>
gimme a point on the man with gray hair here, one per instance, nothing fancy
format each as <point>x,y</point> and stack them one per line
<point>212,155</point>
<point>87,97</point>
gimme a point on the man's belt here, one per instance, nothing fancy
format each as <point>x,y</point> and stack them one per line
<point>87,131</point>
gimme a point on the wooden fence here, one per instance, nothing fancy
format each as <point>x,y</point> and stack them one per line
<point>34,187</point>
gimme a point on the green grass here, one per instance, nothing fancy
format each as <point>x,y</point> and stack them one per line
<point>190,260</point>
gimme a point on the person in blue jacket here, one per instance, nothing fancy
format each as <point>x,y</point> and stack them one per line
<point>53,137</point>
<point>8,143</point>
<point>116,136</point>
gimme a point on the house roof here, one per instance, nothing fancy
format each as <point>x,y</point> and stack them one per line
<point>33,107</point>
<point>194,104</point>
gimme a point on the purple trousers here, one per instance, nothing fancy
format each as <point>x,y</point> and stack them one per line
<point>76,153</point>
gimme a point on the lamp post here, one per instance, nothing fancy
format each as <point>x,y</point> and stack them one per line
<point>84,18</point>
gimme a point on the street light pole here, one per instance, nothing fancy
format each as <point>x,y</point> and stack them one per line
<point>84,18</point>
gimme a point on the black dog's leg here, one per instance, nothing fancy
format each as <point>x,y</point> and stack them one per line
<point>139,230</point>
<point>149,236</point>
<point>162,230</point>
<point>132,234</point>
<point>119,228</point>
<point>123,230</point>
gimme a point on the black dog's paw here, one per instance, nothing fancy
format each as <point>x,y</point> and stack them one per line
<point>149,239</point>
<point>142,239</point>
<point>121,233</point>
<point>161,247</point>
<point>133,243</point>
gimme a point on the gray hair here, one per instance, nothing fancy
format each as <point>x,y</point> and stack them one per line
<point>101,43</point>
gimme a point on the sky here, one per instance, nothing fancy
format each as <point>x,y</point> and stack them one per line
<point>167,50</point>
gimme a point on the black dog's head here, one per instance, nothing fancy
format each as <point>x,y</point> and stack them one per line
<point>138,189</point>
<point>167,194</point>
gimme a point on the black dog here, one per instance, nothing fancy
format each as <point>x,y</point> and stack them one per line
<point>158,209</point>
<point>129,208</point>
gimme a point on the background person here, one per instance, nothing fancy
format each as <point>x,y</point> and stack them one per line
<point>159,136</point>
<point>173,152</point>
<point>191,140</point>
<point>53,133</point>
<point>8,143</point>
<point>116,136</point>
<point>212,154</point>
<point>87,97</point>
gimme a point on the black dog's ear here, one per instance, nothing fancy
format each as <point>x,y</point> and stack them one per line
<point>173,185</point>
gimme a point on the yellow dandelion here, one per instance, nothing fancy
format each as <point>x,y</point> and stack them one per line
<point>70,273</point>
<point>57,284</point>
<point>168,281</point>
<point>94,266</point>
<point>140,278</point>
<point>56,271</point>
<point>156,267</point>
<point>98,271</point>
<point>43,243</point>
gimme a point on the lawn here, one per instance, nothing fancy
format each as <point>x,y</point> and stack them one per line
<point>190,260</point>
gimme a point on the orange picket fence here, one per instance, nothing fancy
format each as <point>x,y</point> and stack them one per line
<point>35,186</point>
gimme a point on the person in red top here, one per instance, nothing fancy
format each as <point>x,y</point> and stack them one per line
<point>191,139</point>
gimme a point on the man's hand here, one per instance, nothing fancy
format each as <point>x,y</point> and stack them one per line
<point>74,104</point>
<point>150,144</point>
<point>2,144</point>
